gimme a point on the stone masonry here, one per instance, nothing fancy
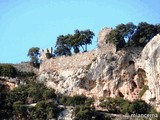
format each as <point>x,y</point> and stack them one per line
<point>77,60</point>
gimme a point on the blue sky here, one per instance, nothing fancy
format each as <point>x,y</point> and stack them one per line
<point>37,23</point>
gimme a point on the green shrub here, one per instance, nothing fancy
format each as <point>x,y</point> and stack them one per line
<point>25,74</point>
<point>65,100</point>
<point>83,113</point>
<point>15,101</point>
<point>20,109</point>
<point>144,88</point>
<point>75,100</point>
<point>111,105</point>
<point>138,107</point>
<point>79,99</point>
<point>49,94</point>
<point>119,105</point>
<point>124,107</point>
<point>89,101</point>
<point>7,70</point>
<point>153,111</point>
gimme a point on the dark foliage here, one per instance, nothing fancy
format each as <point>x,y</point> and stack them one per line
<point>65,43</point>
<point>75,100</point>
<point>131,35</point>
<point>33,54</point>
<point>15,103</point>
<point>7,70</point>
<point>119,105</point>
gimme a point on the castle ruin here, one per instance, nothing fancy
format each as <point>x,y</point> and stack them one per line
<point>44,51</point>
<point>78,60</point>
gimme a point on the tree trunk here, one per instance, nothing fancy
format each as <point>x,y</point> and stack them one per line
<point>86,47</point>
<point>82,48</point>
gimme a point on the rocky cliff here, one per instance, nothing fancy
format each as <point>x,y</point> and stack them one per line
<point>131,73</point>
<point>151,64</point>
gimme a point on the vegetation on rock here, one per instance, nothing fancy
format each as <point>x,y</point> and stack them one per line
<point>36,101</point>
<point>127,35</point>
<point>144,88</point>
<point>65,43</point>
<point>18,103</point>
<point>121,106</point>
<point>33,54</point>
<point>7,70</point>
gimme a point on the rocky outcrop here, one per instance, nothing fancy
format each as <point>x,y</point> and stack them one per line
<point>106,73</point>
<point>151,65</point>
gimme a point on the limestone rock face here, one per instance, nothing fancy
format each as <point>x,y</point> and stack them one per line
<point>107,73</point>
<point>151,60</point>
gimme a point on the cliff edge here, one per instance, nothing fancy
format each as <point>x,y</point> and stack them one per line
<point>131,73</point>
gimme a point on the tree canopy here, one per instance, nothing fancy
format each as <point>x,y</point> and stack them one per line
<point>65,43</point>
<point>33,54</point>
<point>132,35</point>
<point>62,45</point>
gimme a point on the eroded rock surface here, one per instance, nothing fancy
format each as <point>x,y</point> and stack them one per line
<point>151,65</point>
<point>107,73</point>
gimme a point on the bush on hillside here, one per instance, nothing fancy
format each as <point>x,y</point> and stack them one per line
<point>14,102</point>
<point>76,100</point>
<point>7,70</point>
<point>119,105</point>
<point>144,88</point>
<point>138,107</point>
